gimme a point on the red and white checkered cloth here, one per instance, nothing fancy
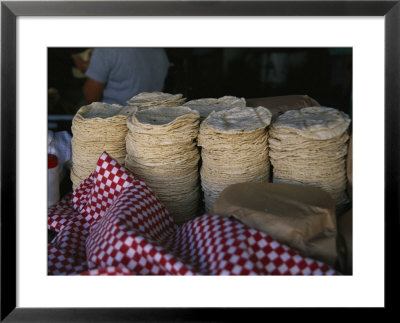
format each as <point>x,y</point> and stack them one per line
<point>114,224</point>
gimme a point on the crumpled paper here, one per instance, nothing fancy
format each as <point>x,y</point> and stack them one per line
<point>59,144</point>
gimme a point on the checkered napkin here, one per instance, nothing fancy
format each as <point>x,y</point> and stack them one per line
<point>114,224</point>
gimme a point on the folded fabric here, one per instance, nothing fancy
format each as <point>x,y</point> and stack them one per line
<point>114,224</point>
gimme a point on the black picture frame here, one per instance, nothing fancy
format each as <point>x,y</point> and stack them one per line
<point>10,10</point>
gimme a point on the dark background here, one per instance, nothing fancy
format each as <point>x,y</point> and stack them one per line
<point>324,74</point>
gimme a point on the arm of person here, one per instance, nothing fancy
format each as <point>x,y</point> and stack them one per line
<point>93,90</point>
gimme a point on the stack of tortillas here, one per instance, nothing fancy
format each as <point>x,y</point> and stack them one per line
<point>234,149</point>
<point>309,146</point>
<point>207,105</point>
<point>96,128</point>
<point>150,99</point>
<point>162,151</point>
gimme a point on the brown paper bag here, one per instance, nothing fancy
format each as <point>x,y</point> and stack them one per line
<point>280,104</point>
<point>345,239</point>
<point>302,217</point>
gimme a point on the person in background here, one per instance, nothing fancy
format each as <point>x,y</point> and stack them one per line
<point>115,75</point>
